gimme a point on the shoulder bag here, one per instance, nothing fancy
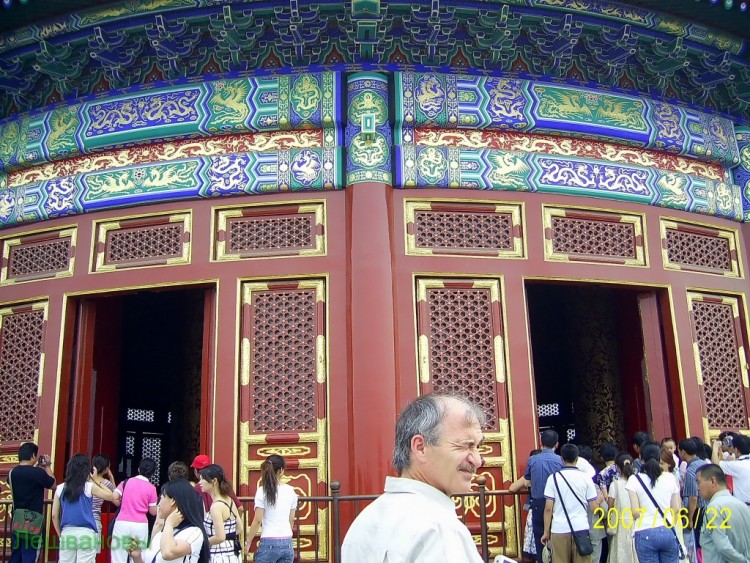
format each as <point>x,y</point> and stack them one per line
<point>28,523</point>
<point>111,523</point>
<point>581,538</point>
<point>661,512</point>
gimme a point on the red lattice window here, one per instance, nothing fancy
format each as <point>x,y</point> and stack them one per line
<point>704,251</point>
<point>38,259</point>
<point>21,340</point>
<point>587,237</point>
<point>283,337</point>
<point>462,352</point>
<point>146,244</point>
<point>249,236</point>
<point>456,230</point>
<point>718,351</point>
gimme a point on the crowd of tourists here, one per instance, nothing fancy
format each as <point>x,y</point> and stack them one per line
<point>672,501</point>
<point>197,518</point>
<point>669,502</point>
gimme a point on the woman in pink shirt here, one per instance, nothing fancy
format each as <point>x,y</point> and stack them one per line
<point>138,499</point>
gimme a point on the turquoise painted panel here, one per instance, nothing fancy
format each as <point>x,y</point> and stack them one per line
<point>368,132</point>
<point>242,105</point>
<point>742,172</point>
<point>314,169</point>
<point>438,167</point>
<point>474,102</point>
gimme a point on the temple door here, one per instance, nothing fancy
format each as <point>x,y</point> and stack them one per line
<point>461,349</point>
<point>283,397</point>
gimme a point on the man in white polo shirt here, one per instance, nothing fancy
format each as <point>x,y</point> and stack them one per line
<point>438,439</point>
<point>739,468</point>
<point>568,490</point>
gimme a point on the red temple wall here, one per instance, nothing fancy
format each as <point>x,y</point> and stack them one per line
<point>371,320</point>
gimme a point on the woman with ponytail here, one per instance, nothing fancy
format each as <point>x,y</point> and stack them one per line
<point>620,514</point>
<point>655,537</point>
<point>224,533</point>
<point>275,505</point>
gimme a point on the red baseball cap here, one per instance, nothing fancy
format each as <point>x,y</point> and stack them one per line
<point>201,461</point>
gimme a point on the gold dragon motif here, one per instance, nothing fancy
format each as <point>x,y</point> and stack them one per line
<point>228,104</point>
<point>63,122</point>
<point>136,180</point>
<point>306,95</point>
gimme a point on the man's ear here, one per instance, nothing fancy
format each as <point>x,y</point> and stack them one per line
<point>418,444</point>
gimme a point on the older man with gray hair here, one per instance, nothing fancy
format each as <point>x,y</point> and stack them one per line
<point>436,455</point>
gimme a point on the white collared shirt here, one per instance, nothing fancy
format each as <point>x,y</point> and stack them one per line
<point>412,521</point>
<point>739,469</point>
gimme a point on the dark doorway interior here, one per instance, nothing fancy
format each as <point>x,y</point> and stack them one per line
<point>146,379</point>
<point>588,356</point>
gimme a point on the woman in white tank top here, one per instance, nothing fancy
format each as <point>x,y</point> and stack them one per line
<point>275,505</point>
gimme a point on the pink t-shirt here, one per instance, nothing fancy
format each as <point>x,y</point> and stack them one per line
<point>140,495</point>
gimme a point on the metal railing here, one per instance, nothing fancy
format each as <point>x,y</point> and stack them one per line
<point>487,514</point>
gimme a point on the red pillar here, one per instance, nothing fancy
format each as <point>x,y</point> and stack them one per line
<point>371,337</point>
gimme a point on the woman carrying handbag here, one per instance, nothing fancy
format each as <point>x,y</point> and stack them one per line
<point>655,535</point>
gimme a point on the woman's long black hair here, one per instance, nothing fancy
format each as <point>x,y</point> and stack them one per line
<point>213,471</point>
<point>189,503</point>
<point>270,477</point>
<point>77,473</point>
<point>651,455</point>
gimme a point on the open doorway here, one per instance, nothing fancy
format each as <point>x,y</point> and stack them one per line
<point>597,366</point>
<point>140,376</point>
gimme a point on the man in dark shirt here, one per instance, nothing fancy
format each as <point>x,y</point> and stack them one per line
<point>538,468</point>
<point>28,480</point>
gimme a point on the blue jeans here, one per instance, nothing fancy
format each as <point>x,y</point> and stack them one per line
<point>273,550</point>
<point>24,549</point>
<point>656,545</point>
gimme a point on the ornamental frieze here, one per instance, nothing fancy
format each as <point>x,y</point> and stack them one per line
<point>306,169</point>
<point>548,144</point>
<point>284,103</point>
<point>492,169</point>
<point>445,101</point>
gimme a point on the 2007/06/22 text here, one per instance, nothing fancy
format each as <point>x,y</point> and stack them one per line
<point>613,518</point>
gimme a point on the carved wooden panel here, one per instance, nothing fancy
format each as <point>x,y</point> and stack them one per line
<point>21,358</point>
<point>699,248</point>
<point>461,349</point>
<point>580,235</point>
<point>136,242</point>
<point>283,399</point>
<point>42,255</point>
<point>457,228</point>
<point>270,230</point>
<point>720,360</point>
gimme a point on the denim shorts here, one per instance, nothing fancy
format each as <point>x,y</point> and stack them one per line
<point>275,550</point>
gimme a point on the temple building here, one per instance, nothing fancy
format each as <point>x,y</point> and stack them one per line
<point>252,227</point>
